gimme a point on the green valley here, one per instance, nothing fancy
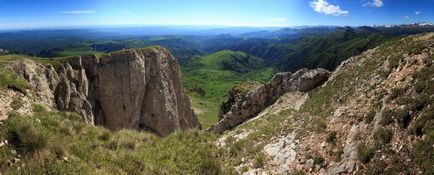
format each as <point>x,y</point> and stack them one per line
<point>209,78</point>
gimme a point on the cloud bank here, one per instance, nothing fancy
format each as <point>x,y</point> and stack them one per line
<point>322,6</point>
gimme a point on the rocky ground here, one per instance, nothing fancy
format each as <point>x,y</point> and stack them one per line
<point>364,120</point>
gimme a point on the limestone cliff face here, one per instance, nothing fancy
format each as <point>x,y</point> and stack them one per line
<point>135,89</point>
<point>246,101</point>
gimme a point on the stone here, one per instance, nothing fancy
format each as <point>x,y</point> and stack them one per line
<point>350,166</point>
<point>15,160</point>
<point>283,152</point>
<point>310,163</point>
<point>323,144</point>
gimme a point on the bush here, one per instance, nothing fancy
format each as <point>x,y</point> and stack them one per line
<point>387,117</point>
<point>338,156</point>
<point>105,136</point>
<point>424,124</point>
<point>396,92</point>
<point>383,136</point>
<point>26,136</point>
<point>364,153</point>
<point>419,86</point>
<point>17,103</point>
<point>258,162</point>
<point>369,117</point>
<point>403,117</point>
<point>331,137</point>
<point>423,153</point>
<point>318,160</point>
<point>421,101</point>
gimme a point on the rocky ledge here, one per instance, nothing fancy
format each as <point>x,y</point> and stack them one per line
<point>247,100</point>
<point>133,89</point>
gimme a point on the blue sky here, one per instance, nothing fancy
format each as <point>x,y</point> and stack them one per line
<point>70,13</point>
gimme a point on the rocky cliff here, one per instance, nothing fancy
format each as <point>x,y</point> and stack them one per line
<point>134,89</point>
<point>249,99</point>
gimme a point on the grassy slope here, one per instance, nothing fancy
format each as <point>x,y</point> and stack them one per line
<point>313,118</point>
<point>330,50</point>
<point>61,143</point>
<point>215,74</point>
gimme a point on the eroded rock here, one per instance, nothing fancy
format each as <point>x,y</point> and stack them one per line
<point>249,100</point>
<point>132,89</point>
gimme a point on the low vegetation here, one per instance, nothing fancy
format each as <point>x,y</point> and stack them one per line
<point>9,80</point>
<point>61,143</point>
<point>209,78</point>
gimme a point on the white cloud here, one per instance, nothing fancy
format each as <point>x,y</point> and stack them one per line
<point>417,12</point>
<point>375,3</point>
<point>406,17</point>
<point>78,12</point>
<point>280,19</point>
<point>322,6</point>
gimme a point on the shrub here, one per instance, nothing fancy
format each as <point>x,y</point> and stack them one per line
<point>331,137</point>
<point>396,92</point>
<point>423,153</point>
<point>387,117</point>
<point>318,160</point>
<point>105,136</point>
<point>26,136</point>
<point>338,155</point>
<point>424,124</point>
<point>383,136</point>
<point>403,117</point>
<point>369,117</point>
<point>364,153</point>
<point>419,86</point>
<point>421,101</point>
<point>17,103</point>
<point>258,162</point>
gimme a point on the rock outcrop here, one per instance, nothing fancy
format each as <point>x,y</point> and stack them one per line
<point>132,89</point>
<point>247,100</point>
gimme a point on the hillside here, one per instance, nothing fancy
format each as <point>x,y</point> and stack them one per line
<point>373,116</point>
<point>210,77</point>
<point>310,50</point>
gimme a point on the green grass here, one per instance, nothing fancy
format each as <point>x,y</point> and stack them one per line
<point>365,153</point>
<point>383,136</point>
<point>61,143</point>
<point>69,53</point>
<point>215,75</point>
<point>9,80</point>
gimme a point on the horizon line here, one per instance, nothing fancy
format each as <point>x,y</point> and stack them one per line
<point>211,26</point>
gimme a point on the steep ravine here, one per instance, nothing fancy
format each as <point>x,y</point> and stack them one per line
<point>133,89</point>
